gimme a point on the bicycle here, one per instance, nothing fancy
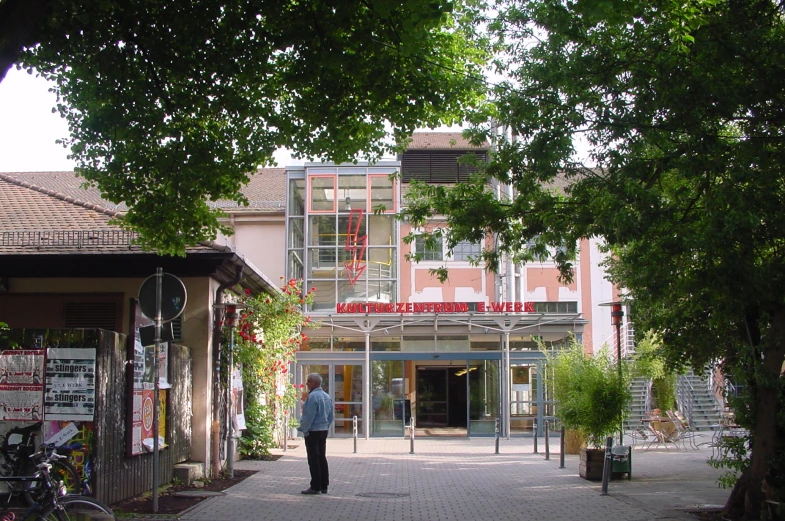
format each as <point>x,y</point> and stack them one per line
<point>16,456</point>
<point>53,503</point>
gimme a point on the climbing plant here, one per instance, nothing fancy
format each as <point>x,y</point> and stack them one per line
<point>268,333</point>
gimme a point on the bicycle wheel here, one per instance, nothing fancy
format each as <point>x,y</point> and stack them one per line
<point>61,471</point>
<point>77,508</point>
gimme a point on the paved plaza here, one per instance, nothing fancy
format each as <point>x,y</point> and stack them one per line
<point>462,479</point>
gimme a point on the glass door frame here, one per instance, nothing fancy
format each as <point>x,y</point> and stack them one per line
<point>300,377</point>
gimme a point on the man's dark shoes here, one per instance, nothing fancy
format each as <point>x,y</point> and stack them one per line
<point>309,491</point>
<point>324,491</point>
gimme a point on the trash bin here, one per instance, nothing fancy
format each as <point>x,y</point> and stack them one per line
<point>621,461</point>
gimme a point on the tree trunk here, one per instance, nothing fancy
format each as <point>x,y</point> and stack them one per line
<point>746,498</point>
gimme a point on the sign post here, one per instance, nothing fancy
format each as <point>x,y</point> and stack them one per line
<point>169,303</point>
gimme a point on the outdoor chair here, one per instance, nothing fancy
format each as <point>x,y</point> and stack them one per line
<point>640,434</point>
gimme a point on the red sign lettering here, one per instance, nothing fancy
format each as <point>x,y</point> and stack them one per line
<point>402,308</point>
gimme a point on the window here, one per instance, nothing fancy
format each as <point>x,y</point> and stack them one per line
<point>555,307</point>
<point>430,252</point>
<point>465,250</point>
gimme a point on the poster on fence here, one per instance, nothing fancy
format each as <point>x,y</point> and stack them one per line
<point>70,384</point>
<point>21,384</point>
<point>142,421</point>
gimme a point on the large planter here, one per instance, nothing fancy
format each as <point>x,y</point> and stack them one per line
<point>591,465</point>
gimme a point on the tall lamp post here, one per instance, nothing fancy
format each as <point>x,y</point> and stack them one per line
<point>616,317</point>
<point>230,321</point>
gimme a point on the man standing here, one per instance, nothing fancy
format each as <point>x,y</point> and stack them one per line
<point>317,416</point>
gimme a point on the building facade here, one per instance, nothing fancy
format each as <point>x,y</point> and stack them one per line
<point>463,357</point>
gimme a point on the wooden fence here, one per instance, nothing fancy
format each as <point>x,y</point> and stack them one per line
<point>116,475</point>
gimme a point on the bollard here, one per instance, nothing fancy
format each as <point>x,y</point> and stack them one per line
<point>535,436</point>
<point>411,435</point>
<point>606,468</point>
<point>285,433</point>
<point>354,432</point>
<point>561,449</point>
<point>547,440</point>
<point>498,424</point>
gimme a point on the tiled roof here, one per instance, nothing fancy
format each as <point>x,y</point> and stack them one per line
<point>37,220</point>
<point>441,141</point>
<point>266,190</point>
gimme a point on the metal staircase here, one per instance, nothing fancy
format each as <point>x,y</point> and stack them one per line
<point>696,400</point>
<point>641,389</point>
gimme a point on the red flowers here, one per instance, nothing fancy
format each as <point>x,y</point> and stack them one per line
<point>247,291</point>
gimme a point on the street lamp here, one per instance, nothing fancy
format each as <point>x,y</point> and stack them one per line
<point>616,319</point>
<point>231,315</point>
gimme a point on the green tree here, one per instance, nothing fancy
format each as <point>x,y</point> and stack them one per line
<point>172,104</point>
<point>681,106</point>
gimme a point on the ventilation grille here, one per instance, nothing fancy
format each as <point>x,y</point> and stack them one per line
<point>438,167</point>
<point>91,315</point>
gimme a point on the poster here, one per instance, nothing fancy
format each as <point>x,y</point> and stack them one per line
<point>21,384</point>
<point>70,384</point>
<point>142,421</point>
<point>238,399</point>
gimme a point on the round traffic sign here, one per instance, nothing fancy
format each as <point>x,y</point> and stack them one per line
<point>173,297</point>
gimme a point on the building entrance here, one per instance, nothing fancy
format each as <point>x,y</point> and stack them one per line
<point>441,397</point>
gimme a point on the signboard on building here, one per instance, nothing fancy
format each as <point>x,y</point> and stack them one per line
<point>432,307</point>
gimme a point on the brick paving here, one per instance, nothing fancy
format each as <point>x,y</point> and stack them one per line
<point>464,479</point>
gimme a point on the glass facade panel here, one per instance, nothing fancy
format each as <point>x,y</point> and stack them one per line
<point>322,193</point>
<point>389,407</point>
<point>382,291</point>
<point>324,298</point>
<point>452,343</point>
<point>348,397</point>
<point>295,264</point>
<point>296,197</point>
<point>386,344</point>
<point>348,344</point>
<point>381,230</point>
<point>523,397</point>
<point>382,193</point>
<point>321,370</point>
<point>315,344</point>
<point>352,193</point>
<point>353,227</point>
<point>321,230</point>
<point>486,343</point>
<point>348,292</point>
<point>483,397</point>
<point>417,343</point>
<point>381,263</point>
<point>296,233</point>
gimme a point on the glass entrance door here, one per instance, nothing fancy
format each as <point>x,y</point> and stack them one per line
<point>390,410</point>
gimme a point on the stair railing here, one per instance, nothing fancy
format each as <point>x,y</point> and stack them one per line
<point>685,398</point>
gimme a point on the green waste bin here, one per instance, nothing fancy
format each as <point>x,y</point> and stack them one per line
<point>621,461</point>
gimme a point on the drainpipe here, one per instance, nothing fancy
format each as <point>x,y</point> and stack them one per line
<point>217,329</point>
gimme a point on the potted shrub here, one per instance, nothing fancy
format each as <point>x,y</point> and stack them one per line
<point>591,399</point>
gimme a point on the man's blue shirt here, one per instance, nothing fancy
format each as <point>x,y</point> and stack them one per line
<point>318,412</point>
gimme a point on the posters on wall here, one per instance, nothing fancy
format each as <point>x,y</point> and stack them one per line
<point>70,384</point>
<point>21,384</point>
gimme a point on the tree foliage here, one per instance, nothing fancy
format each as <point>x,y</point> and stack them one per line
<point>171,105</point>
<point>681,106</point>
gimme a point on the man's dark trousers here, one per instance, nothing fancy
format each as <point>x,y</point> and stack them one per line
<point>316,448</point>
